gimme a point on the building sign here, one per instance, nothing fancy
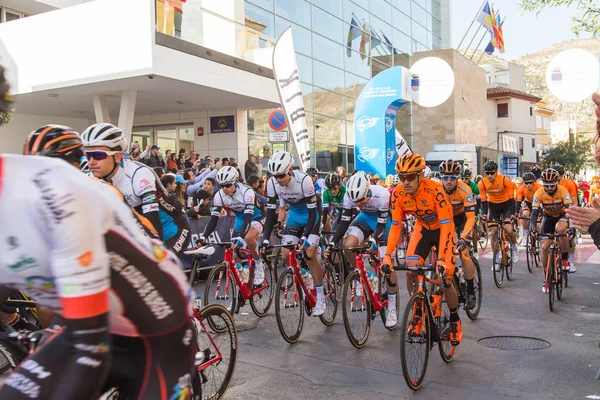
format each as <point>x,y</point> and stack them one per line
<point>278,147</point>
<point>223,124</point>
<point>279,137</point>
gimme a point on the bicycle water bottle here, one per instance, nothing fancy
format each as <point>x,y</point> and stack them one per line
<point>246,274</point>
<point>310,284</point>
<point>375,282</point>
<point>198,303</point>
<point>240,270</point>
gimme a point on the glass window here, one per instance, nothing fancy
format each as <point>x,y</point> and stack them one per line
<point>382,10</point>
<point>419,15</point>
<point>402,5</point>
<point>539,122</point>
<point>302,36</point>
<point>258,121</point>
<point>502,110</point>
<point>307,95</point>
<point>363,3</point>
<point>378,67</point>
<point>402,42</point>
<point>436,43</point>
<point>419,33</point>
<point>350,132</point>
<point>304,68</point>
<point>436,9</point>
<point>332,6</point>
<point>436,26</point>
<point>263,16</point>
<point>422,3</point>
<point>358,65</point>
<point>295,10</point>
<point>354,84</point>
<point>350,9</point>
<point>351,104</point>
<point>327,51</point>
<point>401,21</point>
<point>328,77</point>
<point>12,16</point>
<point>329,103</point>
<point>330,131</point>
<point>328,26</point>
<point>268,4</point>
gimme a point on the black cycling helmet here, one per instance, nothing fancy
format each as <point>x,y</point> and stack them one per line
<point>536,172</point>
<point>55,141</point>
<point>466,173</point>
<point>490,166</point>
<point>332,180</point>
<point>550,175</point>
<point>528,177</point>
<point>312,171</point>
<point>450,167</point>
<point>559,168</point>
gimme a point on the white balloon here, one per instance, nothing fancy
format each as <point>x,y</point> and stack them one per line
<point>430,82</point>
<point>573,75</point>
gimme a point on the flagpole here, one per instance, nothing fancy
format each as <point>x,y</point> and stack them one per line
<point>478,44</point>
<point>390,44</point>
<point>502,23</point>
<point>373,31</point>
<point>473,38</point>
<point>472,22</point>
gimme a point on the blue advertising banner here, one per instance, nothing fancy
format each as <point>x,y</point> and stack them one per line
<point>222,124</point>
<point>375,122</point>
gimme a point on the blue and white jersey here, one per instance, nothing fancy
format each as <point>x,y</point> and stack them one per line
<point>243,201</point>
<point>299,193</point>
<point>379,201</point>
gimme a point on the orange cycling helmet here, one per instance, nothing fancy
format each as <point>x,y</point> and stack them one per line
<point>410,164</point>
<point>450,167</point>
<point>550,175</point>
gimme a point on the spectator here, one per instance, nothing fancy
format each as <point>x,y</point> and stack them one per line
<point>135,155</point>
<point>250,167</point>
<point>209,185</point>
<point>341,171</point>
<point>240,178</point>
<point>167,156</point>
<point>189,163</point>
<point>153,158</point>
<point>225,161</point>
<point>135,146</point>
<point>172,164</point>
<point>201,206</point>
<point>197,182</point>
<point>180,189</point>
<point>181,161</point>
<point>159,172</point>
<point>255,182</point>
<point>259,165</point>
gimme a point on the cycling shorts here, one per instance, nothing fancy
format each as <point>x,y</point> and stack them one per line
<point>294,228</point>
<point>420,244</point>
<point>498,211</point>
<point>459,223</point>
<point>549,224</point>
<point>257,223</point>
<point>155,367</point>
<point>364,225</point>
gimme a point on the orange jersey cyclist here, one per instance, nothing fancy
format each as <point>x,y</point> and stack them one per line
<point>434,226</point>
<point>498,203</point>
<point>525,195</point>
<point>571,187</point>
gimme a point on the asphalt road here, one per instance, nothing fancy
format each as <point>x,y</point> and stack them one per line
<point>324,365</point>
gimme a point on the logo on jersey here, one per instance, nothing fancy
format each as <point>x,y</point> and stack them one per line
<point>41,284</point>
<point>85,260</point>
<point>23,264</point>
<point>94,349</point>
<point>470,198</point>
<point>159,252</point>
<point>143,183</point>
<point>568,197</point>
<point>182,388</point>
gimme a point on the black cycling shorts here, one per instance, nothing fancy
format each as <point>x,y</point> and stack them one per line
<point>499,211</point>
<point>549,225</point>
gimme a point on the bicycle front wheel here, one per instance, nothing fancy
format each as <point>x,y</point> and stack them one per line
<point>551,281</point>
<point>443,325</point>
<point>289,306</point>
<point>529,252</point>
<point>262,296</point>
<point>509,267</point>
<point>221,289</point>
<point>478,287</point>
<point>415,341</point>
<point>497,263</point>
<point>483,236</point>
<point>330,292</point>
<point>356,311</point>
<point>559,278</point>
<point>217,349</point>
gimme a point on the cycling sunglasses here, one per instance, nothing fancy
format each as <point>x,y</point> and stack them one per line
<point>528,183</point>
<point>99,155</point>
<point>280,176</point>
<point>490,173</point>
<point>407,178</point>
<point>449,177</point>
<point>226,185</point>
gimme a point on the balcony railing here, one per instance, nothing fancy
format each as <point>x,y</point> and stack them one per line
<point>193,23</point>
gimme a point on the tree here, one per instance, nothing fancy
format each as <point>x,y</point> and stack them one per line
<point>587,19</point>
<point>574,155</point>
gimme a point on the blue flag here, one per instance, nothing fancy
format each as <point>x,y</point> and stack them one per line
<point>353,33</point>
<point>388,44</point>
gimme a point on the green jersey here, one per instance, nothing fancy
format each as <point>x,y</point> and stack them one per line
<point>474,188</point>
<point>334,201</point>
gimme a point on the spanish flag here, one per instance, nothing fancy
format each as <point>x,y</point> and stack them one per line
<point>365,38</point>
<point>498,39</point>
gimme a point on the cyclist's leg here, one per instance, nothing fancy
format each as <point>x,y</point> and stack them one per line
<point>448,288</point>
<point>356,234</point>
<point>417,252</point>
<point>561,228</point>
<point>548,226</point>
<point>508,227</point>
<point>493,213</point>
<point>526,213</point>
<point>251,239</point>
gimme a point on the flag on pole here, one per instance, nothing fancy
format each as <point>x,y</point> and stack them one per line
<point>388,44</point>
<point>365,37</point>
<point>353,33</point>
<point>375,40</point>
<point>498,39</point>
<point>485,17</point>
<point>490,48</point>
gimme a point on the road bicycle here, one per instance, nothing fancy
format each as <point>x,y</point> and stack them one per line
<point>504,263</point>
<point>532,251</point>
<point>225,286</point>
<point>556,276</point>
<point>460,284</point>
<point>364,296</point>
<point>293,297</point>
<point>481,233</point>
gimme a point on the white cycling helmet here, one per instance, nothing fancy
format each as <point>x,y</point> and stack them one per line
<point>427,174</point>
<point>358,186</point>
<point>104,134</point>
<point>280,163</point>
<point>395,180</point>
<point>227,174</point>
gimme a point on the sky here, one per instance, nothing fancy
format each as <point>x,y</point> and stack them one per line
<point>524,32</point>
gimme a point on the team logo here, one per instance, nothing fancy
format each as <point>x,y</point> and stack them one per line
<point>415,82</point>
<point>367,153</point>
<point>41,284</point>
<point>159,252</point>
<point>557,75</point>
<point>365,123</point>
<point>23,264</point>
<point>85,260</point>
<point>143,183</point>
<point>390,155</point>
<point>389,124</point>
<point>470,198</point>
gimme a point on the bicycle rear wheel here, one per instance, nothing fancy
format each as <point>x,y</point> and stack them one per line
<point>330,292</point>
<point>260,302</point>
<point>537,253</point>
<point>356,310</point>
<point>478,288</point>
<point>415,341</point>
<point>566,278</point>
<point>221,289</point>
<point>551,281</point>
<point>289,306</point>
<point>509,267</point>
<point>498,267</point>
<point>483,234</point>
<point>218,350</point>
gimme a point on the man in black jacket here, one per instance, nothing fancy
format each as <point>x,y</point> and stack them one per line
<point>153,159</point>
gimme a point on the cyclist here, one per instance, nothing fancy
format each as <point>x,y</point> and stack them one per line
<point>463,203</point>
<point>394,181</point>
<point>498,202</point>
<point>434,226</point>
<point>436,176</point>
<point>240,199</point>
<point>478,178</point>
<point>100,274</point>
<point>524,200</point>
<point>372,221</point>
<point>139,184</point>
<point>572,188</point>
<point>333,197</point>
<point>318,182</point>
<point>302,226</point>
<point>553,200</point>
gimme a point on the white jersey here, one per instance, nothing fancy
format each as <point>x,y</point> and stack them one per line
<point>379,201</point>
<point>135,180</point>
<point>244,196</point>
<point>299,193</point>
<point>67,237</point>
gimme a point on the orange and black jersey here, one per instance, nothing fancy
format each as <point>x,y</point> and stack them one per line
<point>571,187</point>
<point>432,209</point>
<point>498,191</point>
<point>525,194</point>
<point>463,202</point>
<point>552,205</point>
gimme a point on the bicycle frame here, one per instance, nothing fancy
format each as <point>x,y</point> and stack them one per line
<point>214,360</point>
<point>375,298</point>
<point>310,295</point>
<point>554,251</point>
<point>245,288</point>
<point>422,279</point>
